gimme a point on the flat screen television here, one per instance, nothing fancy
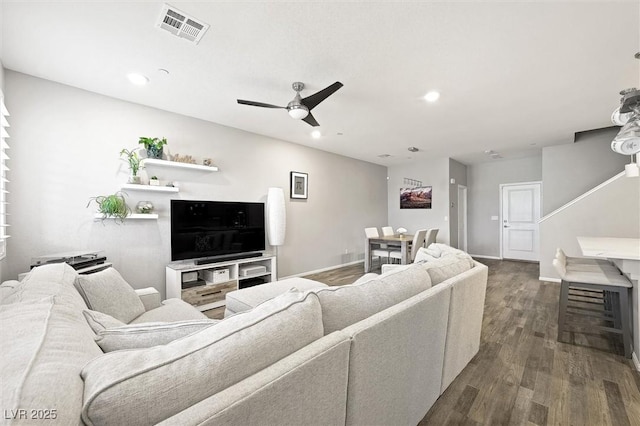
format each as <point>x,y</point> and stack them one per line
<point>215,229</point>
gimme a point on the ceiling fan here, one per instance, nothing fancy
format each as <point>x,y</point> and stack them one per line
<point>300,108</point>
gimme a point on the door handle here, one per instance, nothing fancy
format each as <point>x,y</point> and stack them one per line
<point>507,226</point>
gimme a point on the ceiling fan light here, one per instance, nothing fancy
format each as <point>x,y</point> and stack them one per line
<point>298,112</point>
<point>620,119</point>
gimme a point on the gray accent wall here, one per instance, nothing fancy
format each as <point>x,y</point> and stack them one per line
<point>65,146</point>
<point>483,193</point>
<point>570,170</point>
<point>434,173</point>
<point>458,172</point>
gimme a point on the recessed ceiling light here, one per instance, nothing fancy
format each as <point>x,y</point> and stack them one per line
<point>316,134</point>
<point>413,149</point>
<point>432,96</point>
<point>138,79</point>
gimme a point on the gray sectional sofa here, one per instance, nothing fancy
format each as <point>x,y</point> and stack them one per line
<point>379,351</point>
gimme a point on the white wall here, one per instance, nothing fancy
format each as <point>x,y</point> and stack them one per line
<point>483,181</point>
<point>434,173</point>
<point>570,170</point>
<point>65,145</point>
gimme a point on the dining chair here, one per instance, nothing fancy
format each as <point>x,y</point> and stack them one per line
<point>379,252</point>
<point>418,241</point>
<point>431,236</point>
<point>387,231</point>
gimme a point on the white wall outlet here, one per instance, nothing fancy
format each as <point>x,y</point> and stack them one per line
<point>494,217</point>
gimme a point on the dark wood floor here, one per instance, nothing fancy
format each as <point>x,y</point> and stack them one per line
<point>521,374</point>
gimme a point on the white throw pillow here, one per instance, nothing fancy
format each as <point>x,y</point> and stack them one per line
<point>136,336</point>
<point>424,255</point>
<point>99,321</point>
<point>107,292</point>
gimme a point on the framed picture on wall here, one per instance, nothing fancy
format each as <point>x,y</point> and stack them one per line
<point>299,185</point>
<point>415,198</point>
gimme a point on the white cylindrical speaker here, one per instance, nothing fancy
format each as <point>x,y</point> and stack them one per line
<point>276,216</point>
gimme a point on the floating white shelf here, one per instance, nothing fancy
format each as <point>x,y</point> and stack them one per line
<point>150,163</point>
<point>136,216</point>
<point>135,187</point>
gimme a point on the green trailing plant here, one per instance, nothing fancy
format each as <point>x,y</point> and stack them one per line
<point>113,205</point>
<point>131,156</point>
<point>154,146</point>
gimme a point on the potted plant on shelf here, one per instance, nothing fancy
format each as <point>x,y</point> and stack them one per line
<point>153,146</point>
<point>153,181</point>
<point>112,205</point>
<point>131,156</point>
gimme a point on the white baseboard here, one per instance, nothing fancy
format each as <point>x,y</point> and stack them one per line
<point>553,280</point>
<point>479,256</point>
<point>635,360</point>
<point>316,271</point>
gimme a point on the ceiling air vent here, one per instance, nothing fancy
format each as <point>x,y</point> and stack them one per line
<point>180,24</point>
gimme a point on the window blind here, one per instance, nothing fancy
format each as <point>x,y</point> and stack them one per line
<point>4,157</point>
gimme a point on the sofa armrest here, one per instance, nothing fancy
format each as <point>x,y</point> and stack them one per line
<point>150,298</point>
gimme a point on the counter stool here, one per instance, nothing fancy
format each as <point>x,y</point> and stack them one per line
<point>608,290</point>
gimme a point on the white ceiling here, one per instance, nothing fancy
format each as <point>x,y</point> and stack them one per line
<point>514,76</point>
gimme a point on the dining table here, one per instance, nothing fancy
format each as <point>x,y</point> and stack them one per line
<point>625,254</point>
<point>399,240</point>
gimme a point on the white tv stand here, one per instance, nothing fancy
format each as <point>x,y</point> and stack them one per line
<point>204,293</point>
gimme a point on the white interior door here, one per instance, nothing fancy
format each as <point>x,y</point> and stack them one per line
<point>520,216</point>
<point>462,217</point>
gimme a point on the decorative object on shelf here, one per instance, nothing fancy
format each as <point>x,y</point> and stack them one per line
<point>144,207</point>
<point>131,156</point>
<point>153,181</point>
<point>298,185</point>
<point>183,159</point>
<point>113,205</point>
<point>417,197</point>
<point>207,162</point>
<point>401,231</point>
<point>153,146</point>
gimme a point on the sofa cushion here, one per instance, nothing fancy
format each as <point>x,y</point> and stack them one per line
<point>54,279</point>
<point>99,321</point>
<point>447,266</point>
<point>248,298</point>
<point>7,288</point>
<point>145,386</point>
<point>45,345</point>
<point>171,310</point>
<point>345,305</point>
<point>106,291</point>
<point>146,335</point>
<point>366,278</point>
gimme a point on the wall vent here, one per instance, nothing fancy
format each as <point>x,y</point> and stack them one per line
<point>181,24</point>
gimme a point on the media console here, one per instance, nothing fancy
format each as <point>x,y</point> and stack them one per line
<point>205,285</point>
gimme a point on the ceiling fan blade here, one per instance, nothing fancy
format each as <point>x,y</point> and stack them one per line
<point>310,120</point>
<point>313,100</point>
<point>259,104</point>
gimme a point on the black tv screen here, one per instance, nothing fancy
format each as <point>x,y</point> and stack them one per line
<point>215,228</point>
